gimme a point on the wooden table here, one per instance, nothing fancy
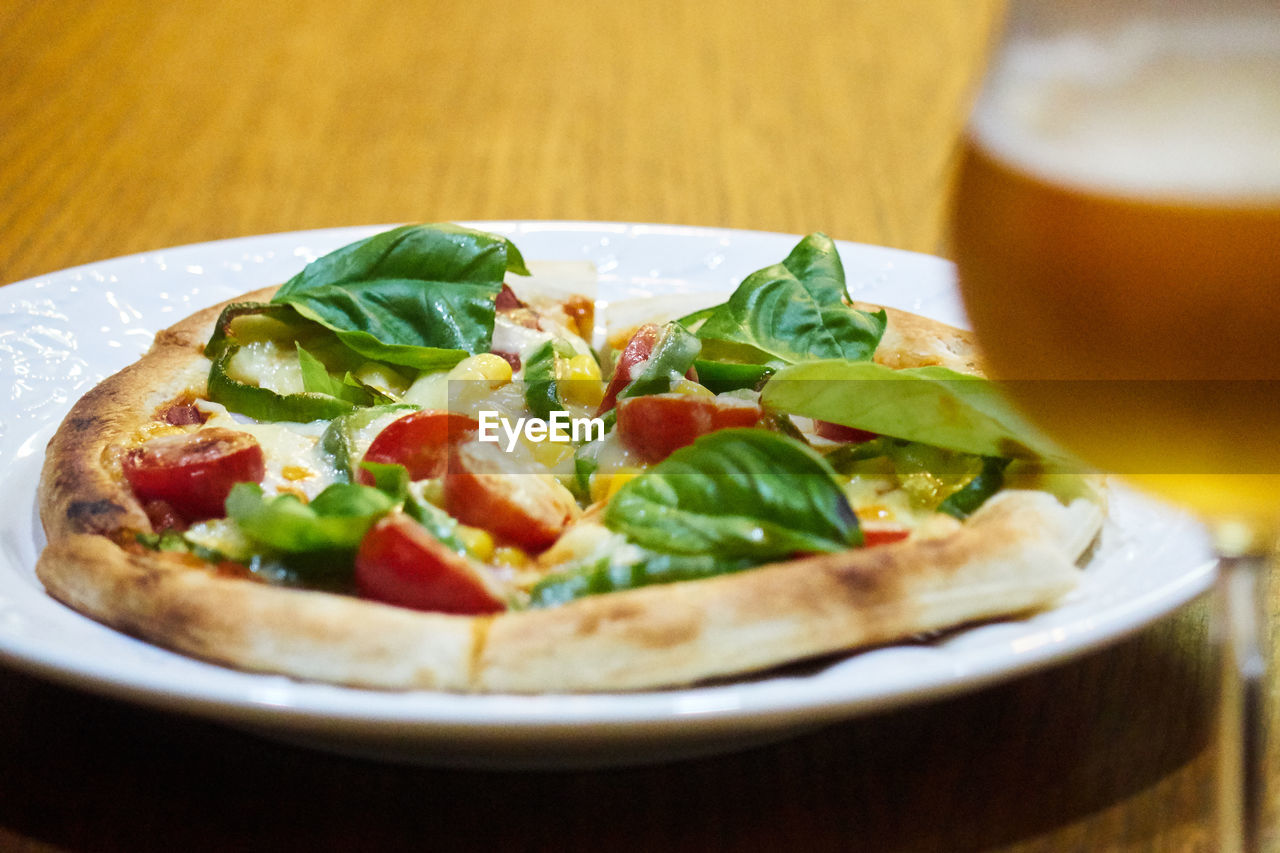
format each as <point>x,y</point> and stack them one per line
<point>127,126</point>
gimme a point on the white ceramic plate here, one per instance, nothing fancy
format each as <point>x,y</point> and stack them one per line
<point>61,333</point>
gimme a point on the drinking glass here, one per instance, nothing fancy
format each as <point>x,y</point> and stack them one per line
<point>1116,229</point>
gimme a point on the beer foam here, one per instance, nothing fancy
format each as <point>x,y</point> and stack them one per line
<point>1164,108</point>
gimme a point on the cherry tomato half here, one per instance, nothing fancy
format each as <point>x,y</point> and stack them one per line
<point>655,425</point>
<point>420,441</point>
<point>194,472</point>
<point>486,488</point>
<point>637,351</point>
<point>842,433</point>
<point>872,536</point>
<point>400,563</point>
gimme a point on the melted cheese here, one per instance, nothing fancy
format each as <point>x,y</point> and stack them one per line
<point>269,364</point>
<point>510,336</point>
<point>883,499</point>
<point>294,461</point>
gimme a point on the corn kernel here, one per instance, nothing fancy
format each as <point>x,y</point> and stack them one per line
<point>877,512</point>
<point>509,555</point>
<point>296,472</point>
<point>605,486</point>
<point>551,453</point>
<point>580,383</point>
<point>478,542</point>
<point>583,366</point>
<point>484,367</point>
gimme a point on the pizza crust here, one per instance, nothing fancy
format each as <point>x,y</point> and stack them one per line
<point>910,340</point>
<point>1016,554</point>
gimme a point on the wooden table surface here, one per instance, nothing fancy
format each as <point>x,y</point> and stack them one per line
<point>128,126</point>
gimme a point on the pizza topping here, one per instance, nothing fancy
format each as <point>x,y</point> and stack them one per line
<point>964,501</point>
<point>629,364</point>
<point>881,534</point>
<point>516,343</point>
<point>163,516</point>
<point>931,405</point>
<point>507,299</point>
<point>667,363</point>
<point>400,563</point>
<point>737,493</point>
<point>699,473</point>
<point>265,404</point>
<point>334,521</point>
<point>798,310</point>
<point>911,483</point>
<point>182,412</point>
<point>421,296</point>
<point>297,446</point>
<point>724,376</point>
<point>269,364</point>
<point>611,575</point>
<point>841,433</point>
<point>193,472</point>
<point>581,311</point>
<point>654,426</point>
<point>489,488</point>
<point>421,442</point>
<point>541,388</point>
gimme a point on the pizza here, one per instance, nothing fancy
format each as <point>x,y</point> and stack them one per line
<point>423,463</point>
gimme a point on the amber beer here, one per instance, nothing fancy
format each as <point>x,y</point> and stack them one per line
<point>1117,236</point>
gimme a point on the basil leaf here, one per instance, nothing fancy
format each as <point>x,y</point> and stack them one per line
<point>932,405</point>
<point>418,295</point>
<point>653,568</point>
<point>793,311</point>
<point>540,392</point>
<point>736,493</point>
<point>317,379</point>
<point>694,321</point>
<point>335,520</point>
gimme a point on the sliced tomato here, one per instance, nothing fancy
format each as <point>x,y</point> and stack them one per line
<point>485,488</point>
<point>420,441</point>
<point>163,516</point>
<point>655,425</point>
<point>872,536</point>
<point>507,299</point>
<point>183,414</point>
<point>842,433</point>
<point>194,472</point>
<point>630,362</point>
<point>400,563</point>
<point>511,358</point>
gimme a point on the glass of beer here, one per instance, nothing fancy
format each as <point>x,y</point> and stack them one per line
<point>1116,228</point>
